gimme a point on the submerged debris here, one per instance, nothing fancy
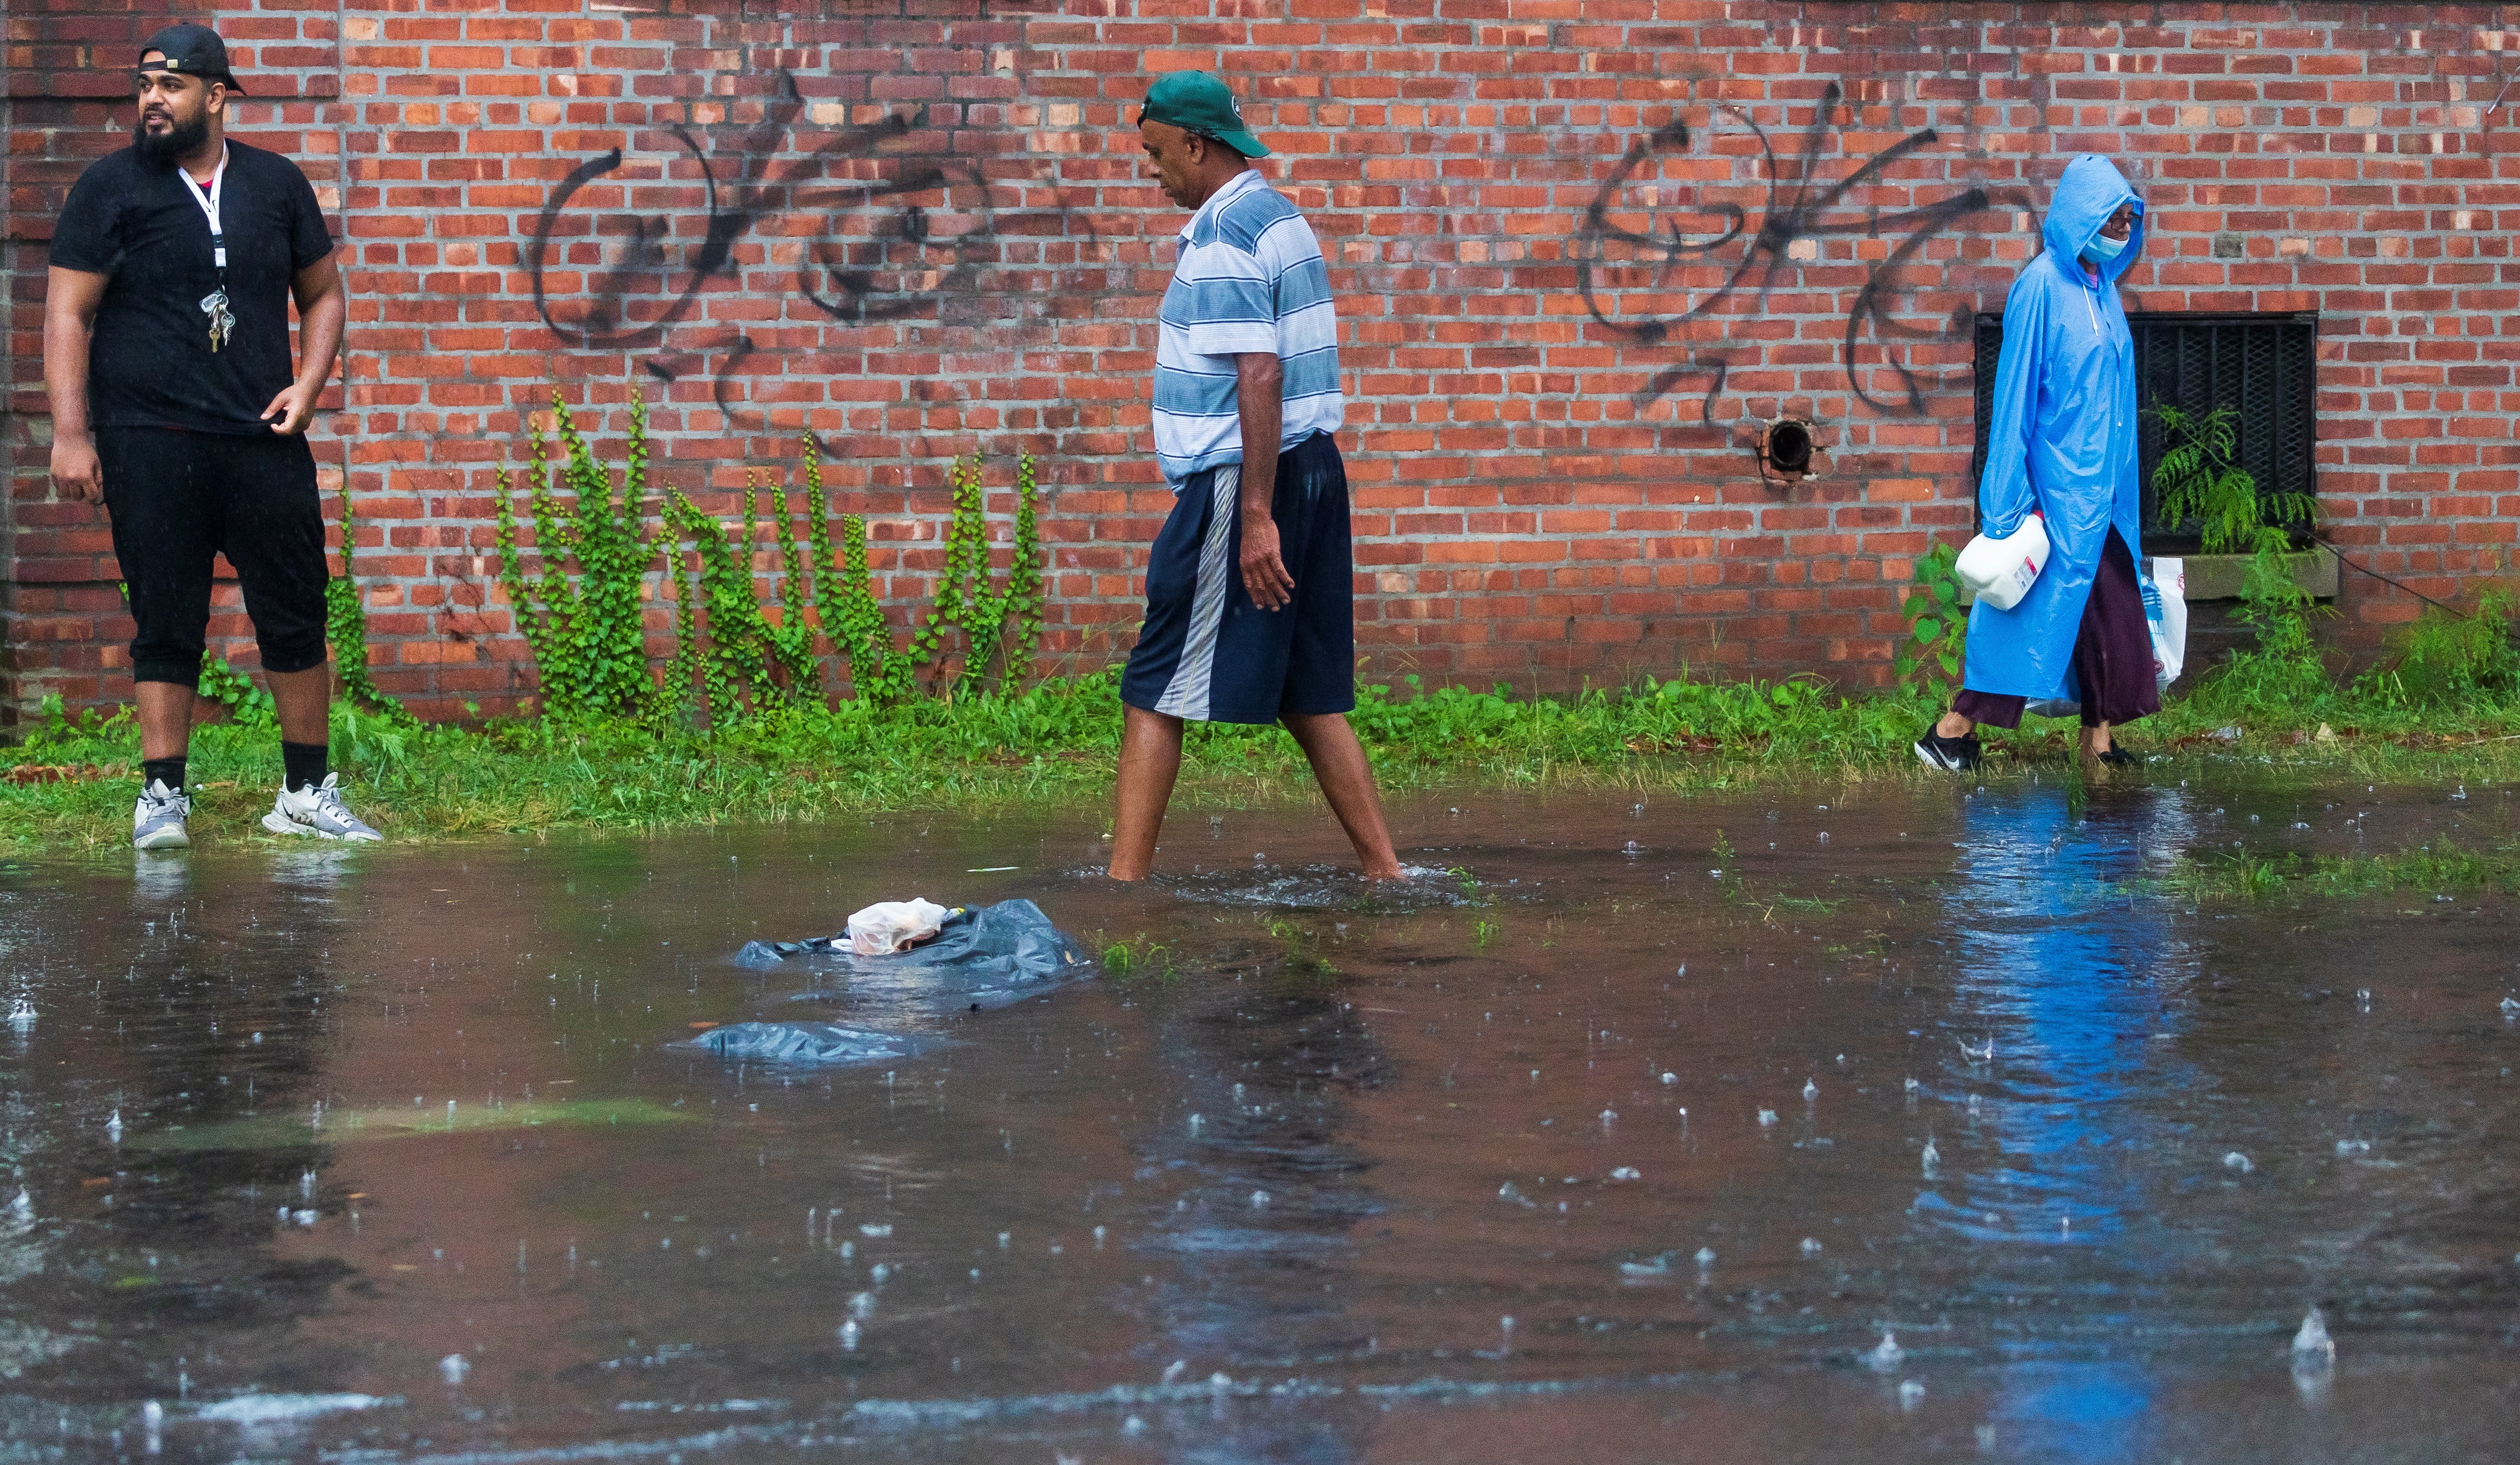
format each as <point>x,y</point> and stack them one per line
<point>817,1045</point>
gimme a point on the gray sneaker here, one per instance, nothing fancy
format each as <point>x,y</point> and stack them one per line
<point>158,819</point>
<point>317,810</point>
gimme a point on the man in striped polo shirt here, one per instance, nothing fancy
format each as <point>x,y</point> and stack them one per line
<point>1251,615</point>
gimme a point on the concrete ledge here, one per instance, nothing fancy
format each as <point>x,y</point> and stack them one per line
<point>2218,577</point>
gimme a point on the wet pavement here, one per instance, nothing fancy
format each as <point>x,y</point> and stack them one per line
<point>1886,1122</point>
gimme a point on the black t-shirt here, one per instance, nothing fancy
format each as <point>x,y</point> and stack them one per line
<point>150,361</point>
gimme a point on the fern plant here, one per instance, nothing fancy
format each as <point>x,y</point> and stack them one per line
<point>2200,479</point>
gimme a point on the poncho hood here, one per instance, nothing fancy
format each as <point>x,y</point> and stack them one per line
<point>2089,192</point>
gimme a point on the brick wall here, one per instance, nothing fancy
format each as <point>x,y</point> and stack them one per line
<point>1583,249</point>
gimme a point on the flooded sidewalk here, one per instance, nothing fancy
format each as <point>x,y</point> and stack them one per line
<point>1890,1123</point>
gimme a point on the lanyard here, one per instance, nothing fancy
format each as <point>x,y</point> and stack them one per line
<point>214,305</point>
<point>209,203</point>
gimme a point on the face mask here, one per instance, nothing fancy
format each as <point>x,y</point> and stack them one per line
<point>2104,249</point>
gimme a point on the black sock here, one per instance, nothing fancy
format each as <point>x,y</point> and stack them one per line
<point>302,765</point>
<point>166,770</point>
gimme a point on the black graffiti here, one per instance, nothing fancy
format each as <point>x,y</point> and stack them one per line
<point>766,180</point>
<point>1784,218</point>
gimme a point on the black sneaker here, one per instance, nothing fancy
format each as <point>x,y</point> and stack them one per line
<point>1952,755</point>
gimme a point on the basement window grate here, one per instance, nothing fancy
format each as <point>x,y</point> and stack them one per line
<point>2264,365</point>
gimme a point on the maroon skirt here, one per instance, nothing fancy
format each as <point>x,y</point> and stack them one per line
<point>2112,655</point>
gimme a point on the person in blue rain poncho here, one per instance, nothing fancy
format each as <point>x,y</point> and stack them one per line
<point>2062,445</point>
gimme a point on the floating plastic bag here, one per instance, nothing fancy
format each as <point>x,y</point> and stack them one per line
<point>987,958</point>
<point>889,926</point>
<point>817,1045</point>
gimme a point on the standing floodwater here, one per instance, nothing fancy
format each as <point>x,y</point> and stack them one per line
<point>1848,1123</point>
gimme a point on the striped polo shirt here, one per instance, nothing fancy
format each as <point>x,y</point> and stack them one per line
<point>1251,277</point>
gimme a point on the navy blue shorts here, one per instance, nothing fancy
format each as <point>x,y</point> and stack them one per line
<point>1206,652</point>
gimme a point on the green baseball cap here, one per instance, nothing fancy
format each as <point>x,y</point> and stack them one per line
<point>1199,103</point>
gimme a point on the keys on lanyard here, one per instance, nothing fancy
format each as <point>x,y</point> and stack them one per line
<point>214,305</point>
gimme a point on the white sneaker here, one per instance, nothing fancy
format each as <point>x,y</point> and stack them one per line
<point>158,819</point>
<point>317,810</point>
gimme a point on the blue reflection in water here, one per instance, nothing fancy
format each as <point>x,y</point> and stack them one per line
<point>2078,984</point>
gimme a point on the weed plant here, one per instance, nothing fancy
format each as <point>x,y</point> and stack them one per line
<point>734,657</point>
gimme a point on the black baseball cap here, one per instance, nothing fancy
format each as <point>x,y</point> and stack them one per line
<point>191,51</point>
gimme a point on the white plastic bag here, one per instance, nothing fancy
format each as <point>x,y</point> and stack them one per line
<point>2000,571</point>
<point>889,926</point>
<point>2164,615</point>
<point>2165,607</point>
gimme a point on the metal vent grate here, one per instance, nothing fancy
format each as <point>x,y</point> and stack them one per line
<point>2266,366</point>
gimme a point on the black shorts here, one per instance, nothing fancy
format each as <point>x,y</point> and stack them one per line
<point>179,498</point>
<point>1206,652</point>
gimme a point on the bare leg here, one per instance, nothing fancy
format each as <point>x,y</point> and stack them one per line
<point>1151,753</point>
<point>165,717</point>
<point>2097,741</point>
<point>1339,766</point>
<point>1952,725</point>
<point>304,700</point>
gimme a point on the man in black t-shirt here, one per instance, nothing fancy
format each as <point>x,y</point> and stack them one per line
<point>166,358</point>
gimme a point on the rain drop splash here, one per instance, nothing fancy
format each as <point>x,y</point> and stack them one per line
<point>1934,1159</point>
<point>113,1126</point>
<point>1609,1117</point>
<point>452,1368</point>
<point>849,1332</point>
<point>1982,1052</point>
<point>2237,1161</point>
<point>1705,1258</point>
<point>2511,1011</point>
<point>1886,1357</point>
<point>2311,1344</point>
<point>1913,1085</point>
<point>1196,1124</point>
<point>1670,1077</point>
<point>1512,1193</point>
<point>1812,1246</point>
<point>1259,1200</point>
<point>22,1014</point>
<point>1175,1369</point>
<point>1767,1117</point>
<point>1627,1173</point>
<point>1911,1394</point>
<point>1811,1089</point>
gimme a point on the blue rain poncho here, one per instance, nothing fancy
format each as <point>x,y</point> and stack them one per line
<point>2063,439</point>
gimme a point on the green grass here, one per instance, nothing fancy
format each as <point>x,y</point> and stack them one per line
<point>1060,741</point>
<point>348,1125</point>
<point>2435,869</point>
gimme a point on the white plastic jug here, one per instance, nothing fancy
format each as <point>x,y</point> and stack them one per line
<point>2000,571</point>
